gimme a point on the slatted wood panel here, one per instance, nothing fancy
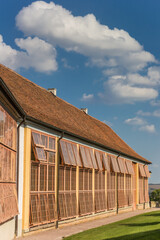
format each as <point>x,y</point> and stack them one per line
<point>67,192</point>
<point>100,199</point>
<point>8,194</point>
<point>111,190</point>
<point>99,160</point>
<point>95,166</point>
<point>7,165</point>
<point>128,190</point>
<point>114,164</point>
<point>134,183</point>
<point>141,190</point>
<point>8,201</point>
<point>121,195</point>
<point>122,165</point>
<point>76,154</point>
<point>8,129</point>
<point>146,171</point>
<point>85,157</point>
<point>42,208</point>
<point>42,195</point>
<point>146,190</point>
<point>141,170</point>
<point>69,153</point>
<point>85,192</point>
<point>129,166</point>
<point>106,162</point>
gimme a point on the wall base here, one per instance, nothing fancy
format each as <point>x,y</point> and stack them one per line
<point>7,230</point>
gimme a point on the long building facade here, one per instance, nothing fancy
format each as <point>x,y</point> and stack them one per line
<point>59,164</point>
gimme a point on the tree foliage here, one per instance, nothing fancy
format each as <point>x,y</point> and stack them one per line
<point>155,195</point>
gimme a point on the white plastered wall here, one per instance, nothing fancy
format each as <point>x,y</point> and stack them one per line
<point>20,182</point>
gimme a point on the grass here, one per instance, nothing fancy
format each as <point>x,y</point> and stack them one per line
<point>141,227</point>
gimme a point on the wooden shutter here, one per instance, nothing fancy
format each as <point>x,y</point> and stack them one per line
<point>71,154</point>
<point>84,157</point>
<point>146,171</point>
<point>89,160</point>
<point>111,190</point>
<point>122,165</point>
<point>114,164</point>
<point>64,152</point>
<point>129,167</point>
<point>8,201</point>
<point>99,161</point>
<point>106,162</point>
<point>141,170</point>
<point>121,197</point>
<point>76,154</point>
<point>8,193</point>
<point>93,159</point>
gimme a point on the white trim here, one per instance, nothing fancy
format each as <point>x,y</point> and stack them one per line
<point>20,182</point>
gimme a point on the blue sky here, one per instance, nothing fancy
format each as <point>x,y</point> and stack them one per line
<point>103,55</point>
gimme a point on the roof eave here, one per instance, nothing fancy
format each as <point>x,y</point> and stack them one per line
<point>12,98</point>
<point>23,113</point>
<point>84,139</point>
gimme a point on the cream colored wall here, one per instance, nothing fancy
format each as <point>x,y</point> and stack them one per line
<point>26,175</point>
<point>7,230</point>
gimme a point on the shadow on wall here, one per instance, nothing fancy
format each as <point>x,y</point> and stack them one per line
<point>148,235</point>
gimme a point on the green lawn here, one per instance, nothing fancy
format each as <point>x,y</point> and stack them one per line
<point>142,227</point>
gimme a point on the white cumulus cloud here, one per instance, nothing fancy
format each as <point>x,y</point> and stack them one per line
<point>82,34</point>
<point>87,97</point>
<point>148,128</point>
<point>34,53</point>
<point>123,60</point>
<point>145,114</point>
<point>141,124</point>
<point>155,113</point>
<point>114,50</point>
<point>124,92</point>
<point>135,121</point>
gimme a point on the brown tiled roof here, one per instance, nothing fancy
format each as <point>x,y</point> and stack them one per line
<point>41,105</point>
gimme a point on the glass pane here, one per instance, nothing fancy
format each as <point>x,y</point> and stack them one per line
<point>44,141</point>
<point>43,206</point>
<point>67,178</point>
<point>40,153</point>
<point>37,138</point>
<point>51,157</point>
<point>51,178</point>
<point>73,181</point>
<point>51,202</point>
<point>51,143</point>
<point>34,177</point>
<point>43,177</point>
<point>34,209</point>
